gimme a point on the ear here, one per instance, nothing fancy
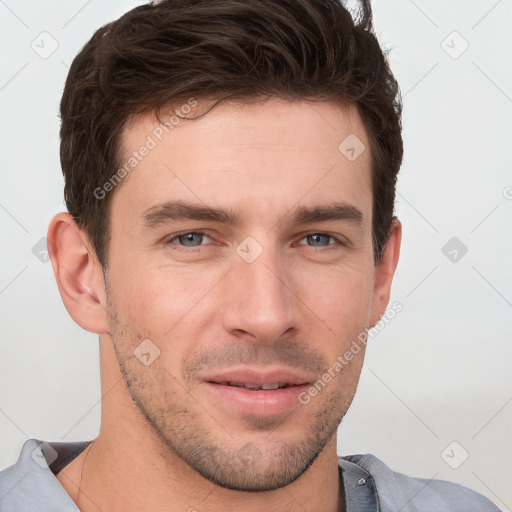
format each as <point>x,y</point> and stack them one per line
<point>78,273</point>
<point>384,272</point>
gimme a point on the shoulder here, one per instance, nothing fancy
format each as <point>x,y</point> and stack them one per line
<point>397,491</point>
<point>30,483</point>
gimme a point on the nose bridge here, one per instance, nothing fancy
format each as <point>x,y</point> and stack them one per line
<point>259,300</point>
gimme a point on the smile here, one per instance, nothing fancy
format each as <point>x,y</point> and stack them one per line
<point>256,391</point>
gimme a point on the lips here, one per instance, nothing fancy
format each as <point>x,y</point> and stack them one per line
<point>257,392</point>
<point>265,379</point>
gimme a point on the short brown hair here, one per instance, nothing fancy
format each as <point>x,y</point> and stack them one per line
<point>163,52</point>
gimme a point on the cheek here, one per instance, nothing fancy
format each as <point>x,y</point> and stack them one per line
<point>166,303</point>
<point>340,296</point>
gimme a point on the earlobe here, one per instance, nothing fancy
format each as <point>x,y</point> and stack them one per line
<point>78,273</point>
<point>384,272</point>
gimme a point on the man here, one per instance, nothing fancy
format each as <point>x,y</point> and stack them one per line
<point>230,174</point>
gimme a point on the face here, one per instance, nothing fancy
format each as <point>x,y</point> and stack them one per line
<point>240,262</point>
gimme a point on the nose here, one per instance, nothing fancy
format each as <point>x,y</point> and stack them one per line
<point>259,299</point>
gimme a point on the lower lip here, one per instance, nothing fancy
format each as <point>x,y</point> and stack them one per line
<point>257,403</point>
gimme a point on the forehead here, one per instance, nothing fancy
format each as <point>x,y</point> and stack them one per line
<point>256,158</point>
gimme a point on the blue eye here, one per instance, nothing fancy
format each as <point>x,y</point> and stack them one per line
<point>191,239</point>
<point>318,240</point>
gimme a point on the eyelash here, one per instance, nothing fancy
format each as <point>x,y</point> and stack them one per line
<point>183,248</point>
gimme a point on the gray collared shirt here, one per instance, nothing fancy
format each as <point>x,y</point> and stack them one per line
<point>30,485</point>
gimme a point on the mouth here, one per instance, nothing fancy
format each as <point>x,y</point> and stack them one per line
<point>257,392</point>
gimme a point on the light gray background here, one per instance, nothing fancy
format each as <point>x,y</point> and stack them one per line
<point>438,373</point>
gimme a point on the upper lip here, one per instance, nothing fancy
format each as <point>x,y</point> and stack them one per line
<point>260,377</point>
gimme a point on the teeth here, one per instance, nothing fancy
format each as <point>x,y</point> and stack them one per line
<point>251,386</point>
<point>256,387</point>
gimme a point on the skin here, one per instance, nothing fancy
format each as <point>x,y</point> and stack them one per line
<point>165,443</point>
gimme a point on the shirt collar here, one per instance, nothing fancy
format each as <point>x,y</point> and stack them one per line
<point>359,487</point>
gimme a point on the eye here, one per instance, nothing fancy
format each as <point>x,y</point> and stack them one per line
<point>190,239</point>
<point>319,240</point>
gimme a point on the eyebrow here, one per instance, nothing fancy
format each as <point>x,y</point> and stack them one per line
<point>173,211</point>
